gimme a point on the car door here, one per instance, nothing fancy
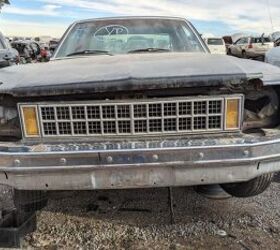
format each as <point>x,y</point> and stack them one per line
<point>240,45</point>
<point>234,48</point>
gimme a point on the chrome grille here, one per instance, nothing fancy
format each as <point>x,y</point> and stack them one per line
<point>144,117</point>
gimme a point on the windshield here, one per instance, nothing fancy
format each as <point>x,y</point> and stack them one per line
<point>215,41</point>
<point>261,39</point>
<point>125,36</point>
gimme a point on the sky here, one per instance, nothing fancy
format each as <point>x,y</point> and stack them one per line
<point>210,17</point>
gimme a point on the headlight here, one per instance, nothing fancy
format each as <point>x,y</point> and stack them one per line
<point>7,114</point>
<point>30,121</point>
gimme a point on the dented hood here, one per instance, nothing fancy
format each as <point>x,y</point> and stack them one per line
<point>93,74</point>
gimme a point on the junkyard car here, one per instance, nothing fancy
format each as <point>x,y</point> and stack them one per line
<point>277,43</point>
<point>53,45</point>
<point>216,45</point>
<point>251,47</point>
<point>28,50</point>
<point>8,56</point>
<point>138,102</point>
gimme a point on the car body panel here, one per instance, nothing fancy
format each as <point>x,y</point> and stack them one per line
<point>273,56</point>
<point>132,72</point>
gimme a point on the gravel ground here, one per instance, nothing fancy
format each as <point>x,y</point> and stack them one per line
<point>140,219</point>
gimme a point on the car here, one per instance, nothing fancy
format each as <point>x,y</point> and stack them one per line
<point>2,2</point>
<point>138,102</point>
<point>28,50</point>
<point>273,56</point>
<point>45,53</point>
<point>8,56</point>
<point>216,45</point>
<point>277,43</point>
<point>251,47</point>
<point>53,45</point>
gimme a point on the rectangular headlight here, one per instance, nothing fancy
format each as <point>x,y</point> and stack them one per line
<point>30,121</point>
<point>233,113</point>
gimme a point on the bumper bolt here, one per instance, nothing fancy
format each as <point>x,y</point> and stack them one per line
<point>17,163</point>
<point>155,157</point>
<point>109,159</point>
<point>63,161</point>
<point>201,156</point>
<point>246,153</point>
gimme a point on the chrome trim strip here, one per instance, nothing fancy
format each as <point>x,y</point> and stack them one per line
<point>227,160</point>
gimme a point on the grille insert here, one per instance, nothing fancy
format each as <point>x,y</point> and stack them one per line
<point>144,117</point>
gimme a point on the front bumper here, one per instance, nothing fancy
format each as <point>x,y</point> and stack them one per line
<point>142,164</point>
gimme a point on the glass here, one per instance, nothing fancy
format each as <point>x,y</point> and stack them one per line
<point>123,36</point>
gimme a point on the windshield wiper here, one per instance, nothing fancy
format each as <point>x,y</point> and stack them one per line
<point>90,52</point>
<point>151,50</point>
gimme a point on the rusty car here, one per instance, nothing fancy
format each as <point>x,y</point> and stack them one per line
<point>138,102</point>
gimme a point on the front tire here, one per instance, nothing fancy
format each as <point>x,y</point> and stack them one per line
<point>250,188</point>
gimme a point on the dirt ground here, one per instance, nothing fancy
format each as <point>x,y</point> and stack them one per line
<point>140,219</point>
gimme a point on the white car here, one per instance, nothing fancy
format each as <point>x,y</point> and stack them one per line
<point>251,47</point>
<point>273,56</point>
<point>216,45</point>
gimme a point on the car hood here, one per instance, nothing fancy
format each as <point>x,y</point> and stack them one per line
<point>145,71</point>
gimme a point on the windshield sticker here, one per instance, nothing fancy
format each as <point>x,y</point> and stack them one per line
<point>110,30</point>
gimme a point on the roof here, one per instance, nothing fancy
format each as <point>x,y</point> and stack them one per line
<point>132,17</point>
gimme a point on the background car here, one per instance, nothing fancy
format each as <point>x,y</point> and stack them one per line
<point>277,42</point>
<point>28,50</point>
<point>53,45</point>
<point>251,47</point>
<point>273,56</point>
<point>275,37</point>
<point>8,55</point>
<point>45,53</point>
<point>216,45</point>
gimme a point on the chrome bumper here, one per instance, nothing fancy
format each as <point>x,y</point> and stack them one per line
<point>184,162</point>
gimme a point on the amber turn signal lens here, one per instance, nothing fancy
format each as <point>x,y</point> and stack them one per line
<point>232,114</point>
<point>30,121</point>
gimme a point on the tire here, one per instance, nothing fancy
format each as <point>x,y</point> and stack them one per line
<point>244,55</point>
<point>250,188</point>
<point>30,201</point>
<point>229,52</point>
<point>277,177</point>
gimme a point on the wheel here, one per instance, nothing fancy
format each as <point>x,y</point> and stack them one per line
<point>229,52</point>
<point>244,55</point>
<point>30,201</point>
<point>250,188</point>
